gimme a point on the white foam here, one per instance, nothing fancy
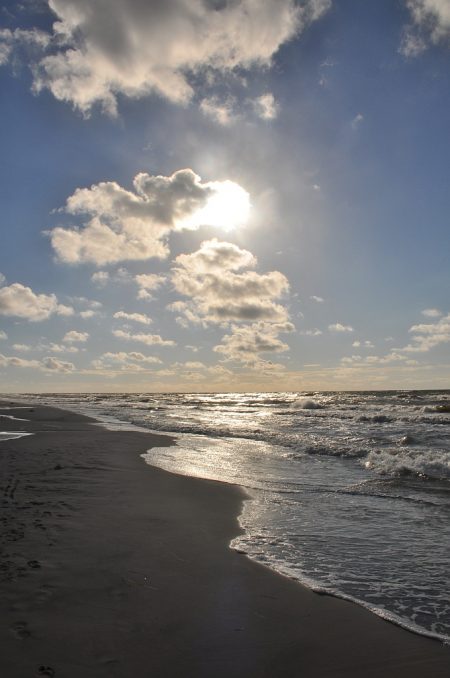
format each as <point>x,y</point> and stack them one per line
<point>10,416</point>
<point>403,461</point>
<point>12,435</point>
<point>306,404</point>
<point>239,544</point>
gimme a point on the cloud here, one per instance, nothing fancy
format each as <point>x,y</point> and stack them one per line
<point>266,107</point>
<point>126,225</point>
<point>74,337</point>
<point>99,50</point>
<point>55,365</point>
<point>126,361</point>
<point>372,360</point>
<point>49,364</point>
<point>22,347</point>
<point>430,25</point>
<point>148,283</point>
<point>431,313</point>
<point>149,339</point>
<point>47,347</point>
<point>2,278</point>
<point>357,120</point>
<point>311,333</point>
<point>100,278</point>
<point>338,327</point>
<point>219,110</point>
<point>364,344</point>
<point>245,344</point>
<point>319,300</point>
<point>31,41</point>
<point>20,301</point>
<point>88,314</point>
<point>65,310</point>
<point>219,293</point>
<point>6,45</point>
<point>136,317</point>
<point>427,336</point>
<point>3,335</point>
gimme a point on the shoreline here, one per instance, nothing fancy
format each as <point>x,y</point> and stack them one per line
<point>154,588</point>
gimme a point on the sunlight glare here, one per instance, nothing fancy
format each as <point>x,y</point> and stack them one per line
<point>227,208</point>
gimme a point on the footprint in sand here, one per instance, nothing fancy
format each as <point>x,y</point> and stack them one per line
<point>34,564</point>
<point>20,630</point>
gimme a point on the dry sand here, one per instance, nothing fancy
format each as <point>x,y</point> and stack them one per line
<point>111,568</point>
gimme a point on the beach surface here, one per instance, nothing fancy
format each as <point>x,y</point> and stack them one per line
<point>112,568</point>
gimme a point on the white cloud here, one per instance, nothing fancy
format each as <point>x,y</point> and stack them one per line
<point>126,361</point>
<point>48,364</point>
<point>319,300</point>
<point>412,44</point>
<point>56,348</point>
<point>2,278</point>
<point>372,360</point>
<point>311,333</point>
<point>219,293</point>
<point>148,283</point>
<point>73,336</point>
<point>136,47</point>
<point>431,313</point>
<point>6,45</point>
<point>430,25</point>
<point>65,310</point>
<point>245,344</point>
<point>3,335</point>
<point>20,301</point>
<point>88,314</point>
<point>364,344</point>
<point>22,347</point>
<point>149,339</point>
<point>42,346</point>
<point>55,365</point>
<point>194,365</point>
<point>32,40</point>
<point>219,110</point>
<point>136,317</point>
<point>125,225</point>
<point>266,107</point>
<point>100,278</point>
<point>338,327</point>
<point>427,336</point>
<point>357,120</point>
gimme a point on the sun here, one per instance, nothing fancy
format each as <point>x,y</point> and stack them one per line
<point>227,208</point>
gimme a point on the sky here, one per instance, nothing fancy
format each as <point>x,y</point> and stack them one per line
<point>224,195</point>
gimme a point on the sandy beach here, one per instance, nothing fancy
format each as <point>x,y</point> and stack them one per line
<point>112,568</point>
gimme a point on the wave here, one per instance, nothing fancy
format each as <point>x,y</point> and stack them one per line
<point>306,404</point>
<point>434,465</point>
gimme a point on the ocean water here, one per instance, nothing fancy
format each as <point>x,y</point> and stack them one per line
<point>348,492</point>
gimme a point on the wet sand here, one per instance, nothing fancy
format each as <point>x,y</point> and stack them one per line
<point>111,568</point>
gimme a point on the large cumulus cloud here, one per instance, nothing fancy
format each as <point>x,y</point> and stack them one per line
<point>20,301</point>
<point>103,48</point>
<point>220,291</point>
<point>125,225</point>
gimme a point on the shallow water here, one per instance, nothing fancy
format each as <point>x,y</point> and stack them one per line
<point>350,492</point>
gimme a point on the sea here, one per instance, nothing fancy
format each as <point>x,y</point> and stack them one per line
<point>348,492</point>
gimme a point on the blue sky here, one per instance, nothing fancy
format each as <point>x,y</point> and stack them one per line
<point>277,170</point>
